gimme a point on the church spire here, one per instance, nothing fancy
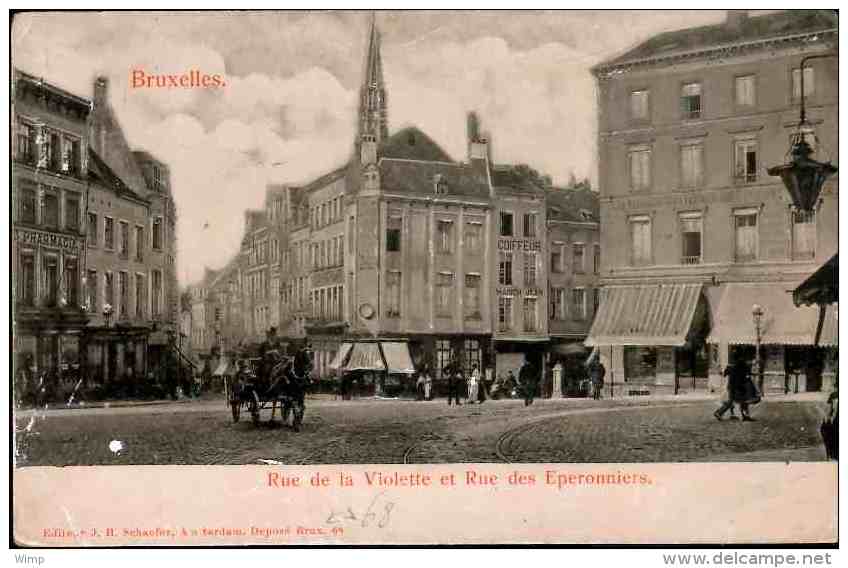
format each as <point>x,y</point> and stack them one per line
<point>372,103</point>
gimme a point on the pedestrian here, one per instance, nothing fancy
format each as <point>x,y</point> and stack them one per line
<point>830,427</point>
<point>419,387</point>
<point>455,381</point>
<point>482,388</point>
<point>473,385</point>
<point>741,390</point>
<point>428,384</point>
<point>597,374</point>
<point>529,379</point>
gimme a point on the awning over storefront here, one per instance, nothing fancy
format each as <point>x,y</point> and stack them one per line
<point>341,355</point>
<point>782,323</point>
<point>365,357</point>
<point>822,287</point>
<point>649,315</point>
<point>397,357</point>
<point>223,367</point>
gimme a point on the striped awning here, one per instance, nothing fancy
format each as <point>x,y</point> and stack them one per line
<point>822,287</point>
<point>365,357</point>
<point>781,324</point>
<point>341,356</point>
<point>397,357</point>
<point>649,314</point>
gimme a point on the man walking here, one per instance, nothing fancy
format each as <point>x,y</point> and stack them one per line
<point>739,377</point>
<point>597,374</point>
<point>455,381</point>
<point>529,380</point>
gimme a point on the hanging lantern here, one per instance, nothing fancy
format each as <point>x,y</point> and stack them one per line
<point>803,176</point>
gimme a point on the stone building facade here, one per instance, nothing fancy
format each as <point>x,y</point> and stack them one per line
<point>694,230</point>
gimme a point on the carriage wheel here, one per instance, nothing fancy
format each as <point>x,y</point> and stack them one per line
<point>253,407</point>
<point>235,405</point>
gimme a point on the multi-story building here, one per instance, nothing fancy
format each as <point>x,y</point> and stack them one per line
<point>49,187</point>
<point>694,230</point>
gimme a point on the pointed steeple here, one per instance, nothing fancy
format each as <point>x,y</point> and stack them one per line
<point>373,121</point>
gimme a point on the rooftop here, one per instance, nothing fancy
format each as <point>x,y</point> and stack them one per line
<point>575,205</point>
<point>744,29</point>
<point>99,171</point>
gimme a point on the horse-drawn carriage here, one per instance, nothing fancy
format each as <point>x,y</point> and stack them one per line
<point>269,380</point>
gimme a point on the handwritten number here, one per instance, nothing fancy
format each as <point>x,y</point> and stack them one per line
<point>386,510</point>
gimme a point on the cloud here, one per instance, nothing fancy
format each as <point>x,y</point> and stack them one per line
<point>288,112</point>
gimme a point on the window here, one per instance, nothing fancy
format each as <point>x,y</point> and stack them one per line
<point>445,237</point>
<point>393,234</point>
<point>50,270</point>
<point>504,313</point>
<point>109,232</point>
<point>639,162</point>
<point>596,301</point>
<point>596,259</point>
<point>351,228</point>
<point>341,250</point>
<point>640,240</point>
<point>472,237</point>
<point>473,355</point>
<point>444,294</point>
<point>557,304</point>
<point>556,258</point>
<point>578,259</point>
<point>578,303</point>
<point>506,224</point>
<point>745,90</point>
<point>529,269</point>
<point>809,83</point>
<point>745,161</point>
<point>26,142</point>
<point>55,152</point>
<point>125,239</point>
<point>50,210</point>
<point>803,235</point>
<point>691,165</point>
<point>71,282</point>
<point>157,176</point>
<point>139,296</point>
<point>139,243</point>
<point>530,314</point>
<point>747,237</point>
<point>690,100</point>
<point>91,230</point>
<point>505,269</point>
<point>157,233</point>
<point>472,296</point>
<point>28,205</point>
<point>124,287</point>
<point>70,155</point>
<point>443,356</point>
<point>157,293</point>
<point>91,291</point>
<point>529,225</point>
<point>26,279</point>
<point>393,289</point>
<point>639,105</point>
<point>109,289</point>
<point>691,225</point>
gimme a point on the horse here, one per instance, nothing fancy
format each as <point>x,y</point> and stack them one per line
<point>290,378</point>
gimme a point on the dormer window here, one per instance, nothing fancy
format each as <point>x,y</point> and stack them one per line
<point>440,185</point>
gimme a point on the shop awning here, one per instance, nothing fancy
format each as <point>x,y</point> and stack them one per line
<point>365,357</point>
<point>397,357</point>
<point>782,323</point>
<point>650,314</point>
<point>222,368</point>
<point>822,287</point>
<point>339,360</point>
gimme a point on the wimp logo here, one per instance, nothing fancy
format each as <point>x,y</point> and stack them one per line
<point>29,559</point>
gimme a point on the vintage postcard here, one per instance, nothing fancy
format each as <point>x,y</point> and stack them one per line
<point>424,277</point>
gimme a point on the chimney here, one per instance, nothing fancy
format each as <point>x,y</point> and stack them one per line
<point>736,19</point>
<point>101,91</point>
<point>478,146</point>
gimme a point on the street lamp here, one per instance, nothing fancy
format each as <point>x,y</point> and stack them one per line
<point>757,312</point>
<point>803,176</point>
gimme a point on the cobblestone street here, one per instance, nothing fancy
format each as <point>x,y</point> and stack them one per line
<point>391,431</point>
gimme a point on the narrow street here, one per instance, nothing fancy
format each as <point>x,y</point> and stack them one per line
<point>393,431</point>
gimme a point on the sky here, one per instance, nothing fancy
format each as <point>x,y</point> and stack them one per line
<point>288,110</point>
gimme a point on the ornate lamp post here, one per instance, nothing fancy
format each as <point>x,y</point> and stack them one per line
<point>757,312</point>
<point>803,176</point>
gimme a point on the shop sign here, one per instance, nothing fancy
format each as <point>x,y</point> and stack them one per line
<point>519,244</point>
<point>47,239</point>
<point>521,291</point>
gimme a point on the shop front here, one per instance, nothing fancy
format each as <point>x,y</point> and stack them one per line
<point>373,367</point>
<point>784,335</point>
<point>650,338</point>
